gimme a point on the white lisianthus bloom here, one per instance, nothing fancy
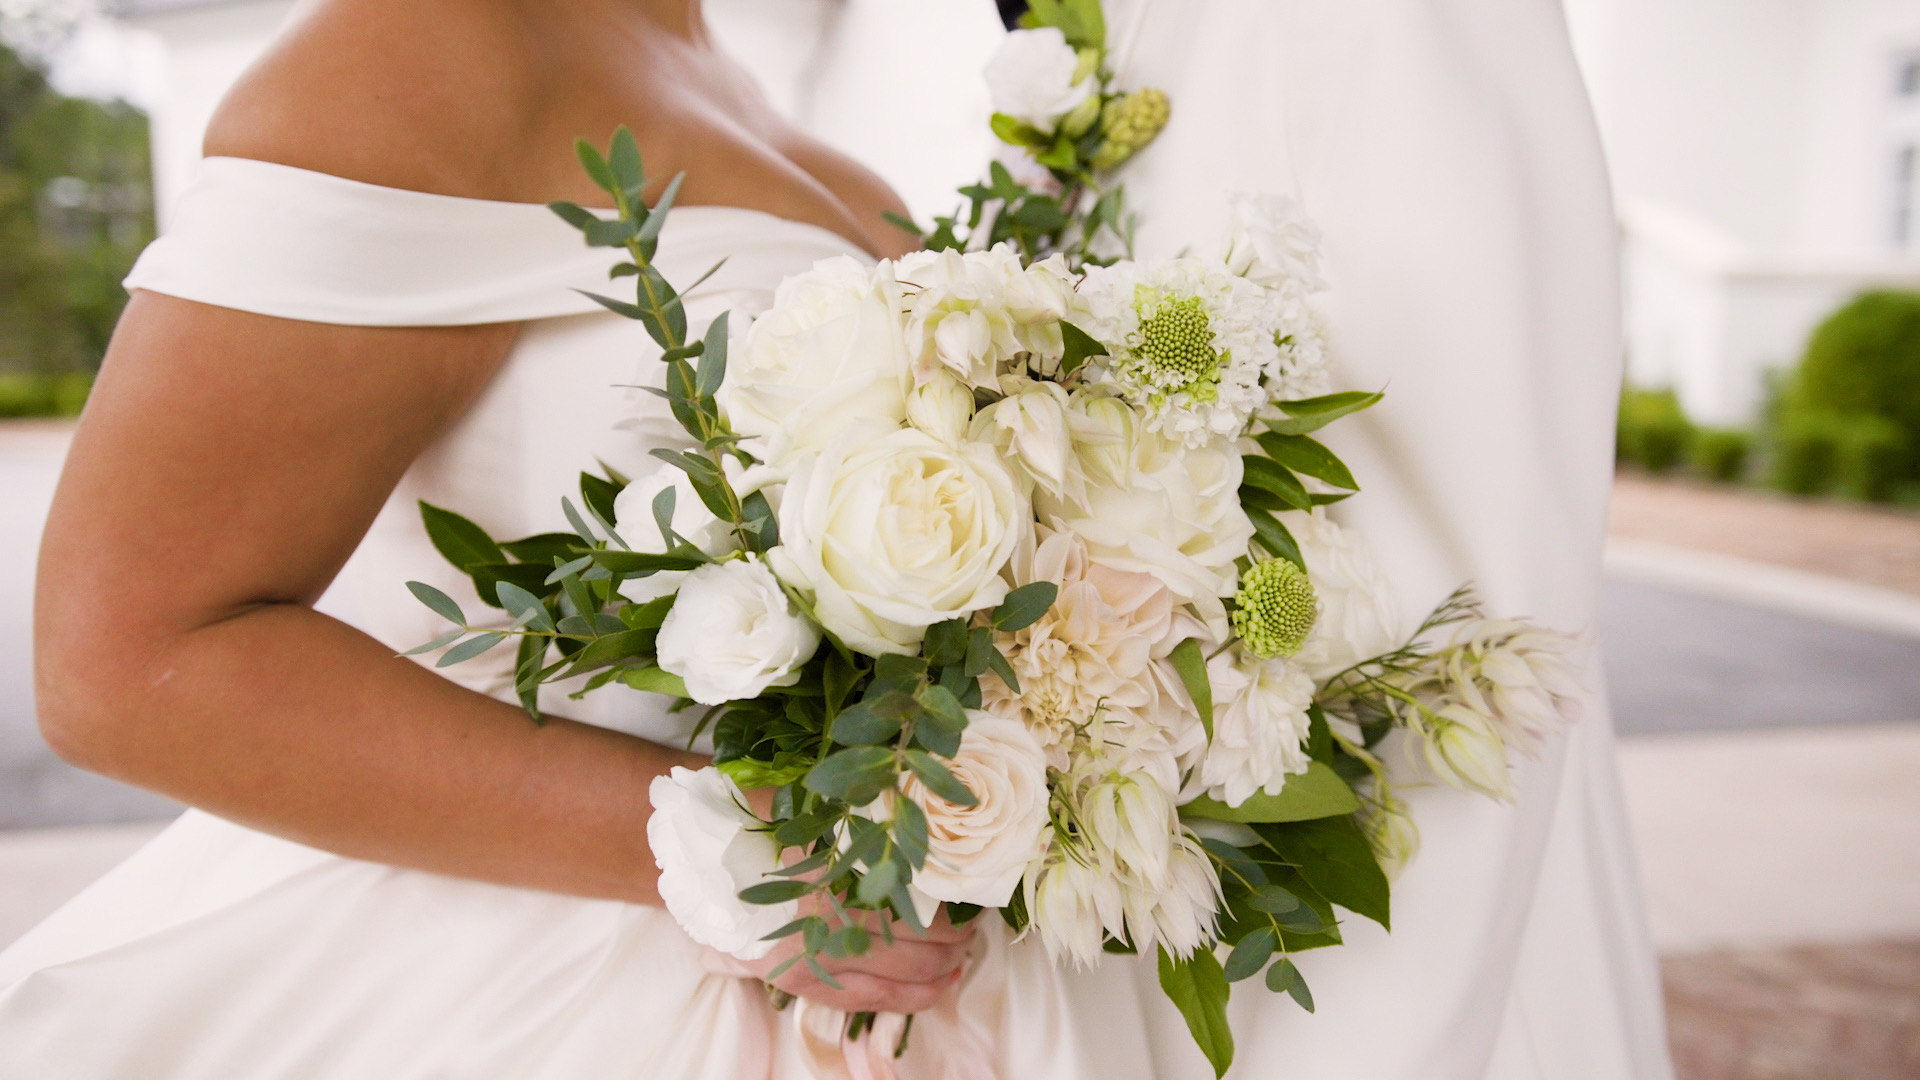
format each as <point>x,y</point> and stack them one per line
<point>1035,78</point>
<point>733,633</point>
<point>1260,725</point>
<point>1191,342</point>
<point>942,407</point>
<point>1029,426</point>
<point>1359,617</point>
<point>703,841</point>
<point>830,350</point>
<point>1177,517</point>
<point>971,314</point>
<point>692,522</point>
<point>892,535</point>
<point>977,854</point>
<point>1272,242</point>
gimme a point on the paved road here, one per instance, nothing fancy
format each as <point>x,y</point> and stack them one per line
<point>1675,663</point>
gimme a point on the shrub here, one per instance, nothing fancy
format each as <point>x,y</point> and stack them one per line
<point>1864,360</point>
<point>1806,451</point>
<point>1721,453</point>
<point>1653,432</point>
<point>43,395</point>
<point>1870,455</point>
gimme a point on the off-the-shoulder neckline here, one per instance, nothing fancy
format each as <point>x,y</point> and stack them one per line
<point>228,162</point>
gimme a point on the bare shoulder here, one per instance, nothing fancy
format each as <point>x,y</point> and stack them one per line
<point>429,95</point>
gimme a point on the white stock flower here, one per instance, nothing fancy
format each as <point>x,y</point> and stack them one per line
<point>692,522</point>
<point>972,313</point>
<point>702,840</point>
<point>1359,618</point>
<point>1259,725</point>
<point>1177,517</point>
<point>1032,77</point>
<point>1190,343</point>
<point>1029,426</point>
<point>733,633</point>
<point>1272,242</point>
<point>891,535</point>
<point>977,854</point>
<point>830,350</point>
<point>942,407</point>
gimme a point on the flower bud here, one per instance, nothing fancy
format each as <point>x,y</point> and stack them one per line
<point>1129,124</point>
<point>942,406</point>
<point>1464,751</point>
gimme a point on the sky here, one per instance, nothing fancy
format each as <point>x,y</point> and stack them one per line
<point>87,53</point>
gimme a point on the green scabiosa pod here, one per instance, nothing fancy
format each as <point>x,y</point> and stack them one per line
<point>1274,609</point>
<point>1129,124</point>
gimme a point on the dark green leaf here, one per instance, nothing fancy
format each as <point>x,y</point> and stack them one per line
<point>1275,537</point>
<point>1080,347</point>
<point>469,649</point>
<point>1334,857</point>
<point>460,541</point>
<point>657,219</point>
<point>1267,475</point>
<point>713,365</point>
<point>1198,988</point>
<point>440,602</point>
<point>837,680</point>
<point>613,648</point>
<point>596,166</point>
<point>618,307</point>
<point>623,161</point>
<point>1275,900</point>
<point>945,643</point>
<point>1317,793</point>
<point>939,779</point>
<point>997,662</point>
<point>862,726</point>
<point>573,214</point>
<point>1024,606</point>
<point>879,882</point>
<point>1191,664</point>
<point>647,616</point>
<point>1312,414</point>
<point>1251,954</point>
<point>854,776</point>
<point>910,831</point>
<point>775,892</point>
<point>640,563</point>
<point>804,829</point>
<point>979,648</point>
<point>1308,456</point>
<point>599,495</point>
<point>893,668</point>
<point>1284,976</point>
<point>1239,867</point>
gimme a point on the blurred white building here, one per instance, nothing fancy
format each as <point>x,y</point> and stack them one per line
<point>1766,154</point>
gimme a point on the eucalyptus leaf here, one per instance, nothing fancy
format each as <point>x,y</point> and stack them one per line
<point>440,642</point>
<point>775,892</point>
<point>853,776</point>
<point>440,602</point>
<point>939,779</point>
<point>1024,606</point>
<point>862,726</point>
<point>1251,954</point>
<point>470,648</point>
<point>1283,976</point>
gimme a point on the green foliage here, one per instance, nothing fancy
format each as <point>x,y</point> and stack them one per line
<point>1864,360</point>
<point>1653,431</point>
<point>1721,454</point>
<point>75,209</point>
<point>1806,452</point>
<point>1197,986</point>
<point>1319,792</point>
<point>1871,454</point>
<point>41,394</point>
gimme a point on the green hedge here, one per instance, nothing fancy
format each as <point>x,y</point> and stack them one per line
<point>1863,362</point>
<point>43,395</point>
<point>1653,432</point>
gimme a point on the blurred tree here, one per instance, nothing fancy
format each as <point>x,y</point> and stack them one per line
<point>75,210</point>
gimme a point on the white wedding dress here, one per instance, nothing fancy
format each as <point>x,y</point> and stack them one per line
<point>1445,148</point>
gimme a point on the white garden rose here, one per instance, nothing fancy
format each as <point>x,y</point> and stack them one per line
<point>1035,78</point>
<point>1260,725</point>
<point>1177,517</point>
<point>702,840</point>
<point>977,854</point>
<point>891,535</point>
<point>1359,618</point>
<point>692,522</point>
<point>830,350</point>
<point>733,633</point>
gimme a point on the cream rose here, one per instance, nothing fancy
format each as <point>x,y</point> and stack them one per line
<point>704,842</point>
<point>829,350</point>
<point>891,535</point>
<point>977,854</point>
<point>733,633</point>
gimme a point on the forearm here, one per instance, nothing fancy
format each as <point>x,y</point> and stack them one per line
<point>285,720</point>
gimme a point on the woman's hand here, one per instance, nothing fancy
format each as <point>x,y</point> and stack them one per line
<point>908,976</point>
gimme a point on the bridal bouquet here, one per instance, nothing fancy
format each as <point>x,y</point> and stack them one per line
<point>1005,567</point>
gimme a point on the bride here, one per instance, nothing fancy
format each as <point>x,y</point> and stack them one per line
<point>360,305</point>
